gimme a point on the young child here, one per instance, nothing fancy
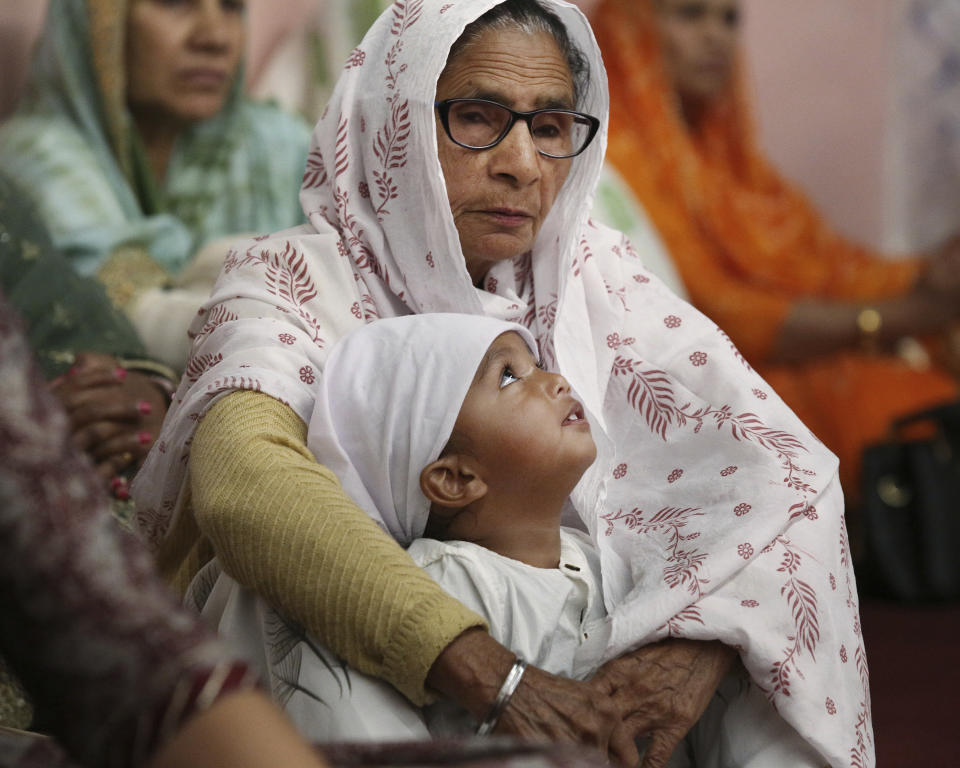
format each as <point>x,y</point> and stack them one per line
<point>446,431</point>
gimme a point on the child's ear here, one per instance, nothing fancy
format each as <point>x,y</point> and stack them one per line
<point>452,481</point>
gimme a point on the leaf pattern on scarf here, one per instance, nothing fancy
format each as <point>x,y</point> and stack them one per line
<point>683,565</point>
<point>547,313</point>
<point>287,642</point>
<point>674,625</point>
<point>197,365</point>
<point>342,156</point>
<point>585,254</point>
<point>405,14</point>
<point>735,350</point>
<point>214,319</point>
<point>859,754</point>
<point>390,148</point>
<point>802,600</point>
<point>315,175</point>
<point>649,393</point>
<point>288,278</point>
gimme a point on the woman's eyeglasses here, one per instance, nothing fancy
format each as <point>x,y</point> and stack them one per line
<point>482,124</point>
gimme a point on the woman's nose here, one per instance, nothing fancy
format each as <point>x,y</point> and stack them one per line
<point>718,30</point>
<point>516,157</point>
<point>210,25</point>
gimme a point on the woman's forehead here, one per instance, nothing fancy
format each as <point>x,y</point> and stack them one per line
<point>510,66</point>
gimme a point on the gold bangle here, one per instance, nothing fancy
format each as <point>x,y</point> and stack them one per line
<point>149,366</point>
<point>869,325</point>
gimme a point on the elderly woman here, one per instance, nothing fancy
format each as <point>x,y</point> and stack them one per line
<point>136,145</point>
<point>453,171</point>
<point>822,318</point>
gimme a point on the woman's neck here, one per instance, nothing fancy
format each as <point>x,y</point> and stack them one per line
<point>692,111</point>
<point>159,134</point>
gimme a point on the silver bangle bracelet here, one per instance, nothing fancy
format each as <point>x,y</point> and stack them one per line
<point>503,697</point>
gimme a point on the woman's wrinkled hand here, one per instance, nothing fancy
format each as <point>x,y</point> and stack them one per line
<point>546,707</point>
<point>661,690</point>
<point>115,414</point>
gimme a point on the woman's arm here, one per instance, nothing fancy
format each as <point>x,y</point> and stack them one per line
<point>282,525</point>
<point>814,327</point>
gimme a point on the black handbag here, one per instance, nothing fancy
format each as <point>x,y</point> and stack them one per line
<point>911,511</point>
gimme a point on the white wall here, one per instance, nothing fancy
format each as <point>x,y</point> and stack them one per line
<point>819,70</point>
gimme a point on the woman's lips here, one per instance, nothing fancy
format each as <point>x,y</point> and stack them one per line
<point>203,78</point>
<point>509,217</point>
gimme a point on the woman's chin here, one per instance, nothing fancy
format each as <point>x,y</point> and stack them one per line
<point>492,249</point>
<point>199,108</point>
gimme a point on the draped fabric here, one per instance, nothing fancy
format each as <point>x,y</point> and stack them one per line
<point>716,513</point>
<point>747,244</point>
<point>113,664</point>
<point>74,149</point>
<point>63,312</point>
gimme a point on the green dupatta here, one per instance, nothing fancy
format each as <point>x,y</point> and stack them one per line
<point>63,313</point>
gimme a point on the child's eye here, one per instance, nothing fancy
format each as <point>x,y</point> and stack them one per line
<point>508,377</point>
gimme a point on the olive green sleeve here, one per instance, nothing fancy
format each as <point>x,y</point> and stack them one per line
<point>283,526</point>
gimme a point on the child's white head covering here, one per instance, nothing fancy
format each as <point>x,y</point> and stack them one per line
<point>387,402</point>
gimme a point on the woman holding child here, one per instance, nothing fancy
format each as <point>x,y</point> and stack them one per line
<point>430,188</point>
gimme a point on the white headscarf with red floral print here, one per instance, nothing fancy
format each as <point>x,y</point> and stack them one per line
<point>717,514</point>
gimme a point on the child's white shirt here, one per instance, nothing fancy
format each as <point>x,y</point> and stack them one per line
<point>553,618</point>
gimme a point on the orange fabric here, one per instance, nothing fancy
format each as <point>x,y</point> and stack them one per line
<point>747,244</point>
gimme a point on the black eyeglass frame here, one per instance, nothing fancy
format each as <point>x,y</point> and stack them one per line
<point>443,108</point>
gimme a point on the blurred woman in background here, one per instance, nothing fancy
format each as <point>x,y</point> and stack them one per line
<point>820,317</point>
<point>138,146</point>
<point>138,151</point>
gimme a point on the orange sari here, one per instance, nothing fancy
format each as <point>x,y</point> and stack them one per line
<point>748,245</point>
